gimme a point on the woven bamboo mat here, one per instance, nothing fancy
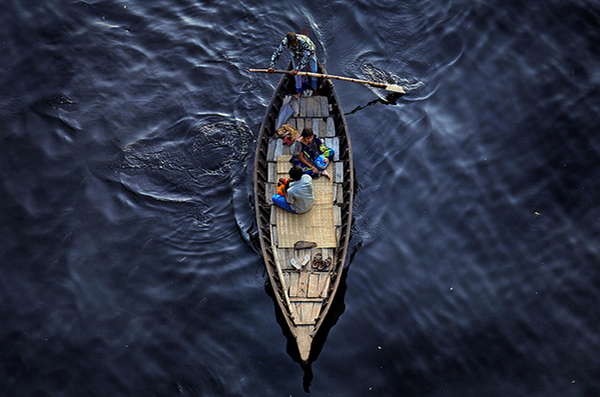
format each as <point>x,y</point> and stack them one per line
<point>315,225</point>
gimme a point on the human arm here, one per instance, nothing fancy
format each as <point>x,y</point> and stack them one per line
<point>276,54</point>
<point>305,161</point>
<point>323,150</point>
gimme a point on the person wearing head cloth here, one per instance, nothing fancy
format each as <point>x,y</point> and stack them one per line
<point>304,59</point>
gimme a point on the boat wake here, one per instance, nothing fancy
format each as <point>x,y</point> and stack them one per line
<point>378,75</point>
<point>194,164</point>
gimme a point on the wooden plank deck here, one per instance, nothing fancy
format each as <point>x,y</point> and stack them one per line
<point>307,288</point>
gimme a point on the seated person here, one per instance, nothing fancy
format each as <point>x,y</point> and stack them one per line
<point>309,152</point>
<point>295,194</point>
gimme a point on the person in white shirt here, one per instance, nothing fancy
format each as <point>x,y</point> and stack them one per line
<point>295,194</point>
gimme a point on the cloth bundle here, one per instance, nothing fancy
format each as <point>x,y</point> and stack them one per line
<point>288,133</point>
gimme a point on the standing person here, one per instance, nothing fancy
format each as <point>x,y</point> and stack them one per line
<point>303,58</point>
<point>309,152</point>
<point>295,194</point>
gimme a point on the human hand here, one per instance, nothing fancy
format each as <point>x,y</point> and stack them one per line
<point>270,70</point>
<point>294,72</point>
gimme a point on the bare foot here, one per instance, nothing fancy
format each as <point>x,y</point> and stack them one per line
<point>297,95</point>
<point>326,174</point>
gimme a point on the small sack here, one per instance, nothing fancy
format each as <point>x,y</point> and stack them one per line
<point>287,130</point>
<point>287,141</point>
<point>320,162</point>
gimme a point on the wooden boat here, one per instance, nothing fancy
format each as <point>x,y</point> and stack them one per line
<point>304,295</point>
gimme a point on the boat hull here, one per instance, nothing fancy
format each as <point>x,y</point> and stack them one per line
<point>304,295</point>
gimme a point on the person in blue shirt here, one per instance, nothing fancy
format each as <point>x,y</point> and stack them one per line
<point>303,58</point>
<point>310,153</point>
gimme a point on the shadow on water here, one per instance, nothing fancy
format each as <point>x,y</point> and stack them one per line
<point>390,99</point>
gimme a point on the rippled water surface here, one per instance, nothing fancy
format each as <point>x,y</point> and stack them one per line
<point>127,135</point>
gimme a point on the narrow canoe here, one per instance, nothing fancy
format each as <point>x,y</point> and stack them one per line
<point>304,295</point>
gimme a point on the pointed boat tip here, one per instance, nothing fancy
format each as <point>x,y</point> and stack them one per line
<point>304,356</point>
<point>304,340</point>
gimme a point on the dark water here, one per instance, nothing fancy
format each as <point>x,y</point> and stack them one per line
<point>126,142</point>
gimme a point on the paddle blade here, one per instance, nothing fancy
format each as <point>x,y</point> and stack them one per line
<point>395,88</point>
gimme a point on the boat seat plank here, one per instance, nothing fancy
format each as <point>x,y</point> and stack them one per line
<point>310,109</point>
<point>321,126</point>
<point>270,190</point>
<point>338,175</point>
<point>315,299</point>
<point>334,143</point>
<point>313,107</point>
<point>271,150</point>
<point>299,313</point>
<point>328,252</point>
<point>315,311</point>
<point>313,285</point>
<point>293,287</point>
<point>278,147</point>
<point>311,311</point>
<point>316,126</point>
<point>302,285</point>
<point>330,130</point>
<point>284,259</point>
<point>272,172</point>
<point>305,312</point>
<point>324,284</point>
<point>337,215</point>
<point>324,106</point>
<point>302,107</point>
<point>286,278</point>
<point>338,193</point>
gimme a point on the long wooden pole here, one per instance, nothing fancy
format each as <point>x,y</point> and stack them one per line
<point>388,87</point>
